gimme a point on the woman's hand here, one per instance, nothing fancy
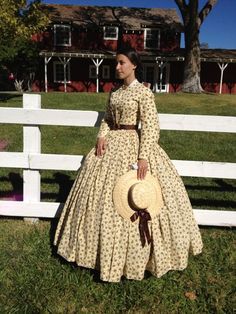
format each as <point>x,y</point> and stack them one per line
<point>101,146</point>
<point>142,168</point>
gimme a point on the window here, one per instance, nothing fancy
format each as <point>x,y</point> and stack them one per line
<point>62,35</point>
<point>157,75</point>
<point>58,72</point>
<point>92,72</point>
<point>110,32</point>
<point>152,38</point>
<point>106,71</point>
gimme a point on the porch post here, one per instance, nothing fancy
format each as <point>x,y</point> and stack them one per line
<point>64,70</point>
<point>161,74</point>
<point>46,60</point>
<point>97,63</point>
<point>155,77</point>
<point>64,62</point>
<point>222,67</point>
<point>161,66</point>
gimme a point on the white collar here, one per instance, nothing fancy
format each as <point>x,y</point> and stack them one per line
<point>131,84</point>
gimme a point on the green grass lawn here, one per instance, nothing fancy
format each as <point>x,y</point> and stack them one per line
<point>212,104</point>
<point>33,279</point>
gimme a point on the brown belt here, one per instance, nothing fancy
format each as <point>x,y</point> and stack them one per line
<point>125,127</point>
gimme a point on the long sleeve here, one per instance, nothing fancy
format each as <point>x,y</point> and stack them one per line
<point>107,121</point>
<point>150,129</point>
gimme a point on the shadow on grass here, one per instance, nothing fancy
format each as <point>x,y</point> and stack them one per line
<point>16,181</point>
<point>222,186</point>
<point>64,183</point>
<point>230,205</point>
<point>16,192</point>
<point>5,96</point>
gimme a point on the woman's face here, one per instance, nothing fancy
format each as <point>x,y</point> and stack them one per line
<point>125,69</point>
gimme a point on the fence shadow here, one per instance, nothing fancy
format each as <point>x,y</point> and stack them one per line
<point>16,191</point>
<point>6,96</point>
<point>64,183</point>
<point>99,118</point>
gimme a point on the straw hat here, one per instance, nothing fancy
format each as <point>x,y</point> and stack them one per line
<point>131,195</point>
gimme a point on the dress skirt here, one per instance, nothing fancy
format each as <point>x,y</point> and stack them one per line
<point>91,233</point>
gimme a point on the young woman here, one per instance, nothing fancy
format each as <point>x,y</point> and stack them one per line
<point>117,222</point>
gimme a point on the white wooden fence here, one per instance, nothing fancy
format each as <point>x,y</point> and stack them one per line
<point>31,160</point>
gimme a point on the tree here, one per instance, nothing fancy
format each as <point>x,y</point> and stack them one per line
<point>204,45</point>
<point>19,20</point>
<point>193,19</point>
<point>24,65</point>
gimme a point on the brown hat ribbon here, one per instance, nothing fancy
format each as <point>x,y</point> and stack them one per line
<point>144,217</point>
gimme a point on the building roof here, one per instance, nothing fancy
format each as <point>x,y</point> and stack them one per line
<point>207,55</point>
<point>128,18</point>
<point>218,55</point>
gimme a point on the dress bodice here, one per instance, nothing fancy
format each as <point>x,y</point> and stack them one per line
<point>124,105</point>
<point>132,105</point>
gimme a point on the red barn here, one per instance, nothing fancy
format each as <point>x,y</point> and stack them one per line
<point>79,47</point>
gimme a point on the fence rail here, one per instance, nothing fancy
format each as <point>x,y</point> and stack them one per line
<point>31,160</point>
<point>177,122</point>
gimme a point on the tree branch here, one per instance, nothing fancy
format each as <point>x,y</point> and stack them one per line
<point>183,7</point>
<point>181,4</point>
<point>206,10</point>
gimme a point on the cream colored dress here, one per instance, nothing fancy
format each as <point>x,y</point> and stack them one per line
<point>91,233</point>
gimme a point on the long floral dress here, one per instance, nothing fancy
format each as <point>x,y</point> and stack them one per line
<point>90,231</point>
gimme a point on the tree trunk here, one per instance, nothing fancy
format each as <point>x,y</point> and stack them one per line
<point>192,63</point>
<point>192,22</point>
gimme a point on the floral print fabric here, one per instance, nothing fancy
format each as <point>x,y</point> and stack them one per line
<point>91,233</point>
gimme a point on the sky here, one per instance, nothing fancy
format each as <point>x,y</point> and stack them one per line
<point>218,30</point>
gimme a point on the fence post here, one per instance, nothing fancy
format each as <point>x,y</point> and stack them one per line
<point>31,144</point>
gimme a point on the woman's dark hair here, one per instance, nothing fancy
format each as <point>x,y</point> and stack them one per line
<point>134,57</point>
